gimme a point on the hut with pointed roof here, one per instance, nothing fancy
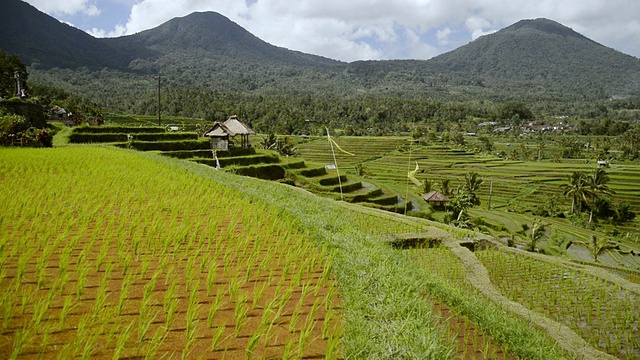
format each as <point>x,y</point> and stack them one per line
<point>436,199</point>
<point>222,134</point>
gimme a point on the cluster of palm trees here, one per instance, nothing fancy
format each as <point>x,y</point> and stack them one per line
<point>586,189</point>
<point>463,198</point>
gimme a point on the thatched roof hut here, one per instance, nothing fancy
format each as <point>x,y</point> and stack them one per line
<point>220,133</point>
<point>435,198</point>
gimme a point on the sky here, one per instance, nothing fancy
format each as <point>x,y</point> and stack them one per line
<point>351,30</point>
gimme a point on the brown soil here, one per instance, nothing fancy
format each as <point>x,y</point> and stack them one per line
<point>471,342</point>
<point>269,302</point>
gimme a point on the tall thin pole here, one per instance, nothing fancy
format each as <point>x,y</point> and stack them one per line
<point>335,162</point>
<point>159,118</point>
<point>406,196</point>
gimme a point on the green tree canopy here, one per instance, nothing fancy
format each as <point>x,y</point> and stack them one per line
<point>9,64</point>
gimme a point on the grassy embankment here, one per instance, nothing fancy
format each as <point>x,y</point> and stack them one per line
<point>66,204</point>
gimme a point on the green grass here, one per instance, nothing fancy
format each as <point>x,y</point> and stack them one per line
<point>384,308</point>
<point>519,187</point>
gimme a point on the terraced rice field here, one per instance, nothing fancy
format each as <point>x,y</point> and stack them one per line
<point>194,263</point>
<point>151,262</point>
<point>515,183</point>
<point>605,314</point>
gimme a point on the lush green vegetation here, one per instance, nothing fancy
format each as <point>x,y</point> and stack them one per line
<point>97,263</point>
<point>385,302</point>
<point>513,193</point>
<point>93,259</point>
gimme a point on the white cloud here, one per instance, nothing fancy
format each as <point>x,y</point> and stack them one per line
<point>376,29</point>
<point>478,27</point>
<point>100,33</point>
<point>443,36</point>
<point>91,10</point>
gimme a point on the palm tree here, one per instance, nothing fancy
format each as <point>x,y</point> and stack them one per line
<point>537,232</point>
<point>472,183</point>
<point>596,246</point>
<point>576,189</point>
<point>445,187</point>
<point>597,186</point>
<point>428,186</point>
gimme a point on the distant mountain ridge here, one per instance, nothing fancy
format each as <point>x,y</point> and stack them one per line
<point>530,59</point>
<point>545,53</point>
<point>216,35</point>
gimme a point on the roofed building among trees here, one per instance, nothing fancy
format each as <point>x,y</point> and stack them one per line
<point>436,198</point>
<point>223,134</point>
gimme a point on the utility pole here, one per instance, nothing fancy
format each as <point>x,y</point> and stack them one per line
<point>159,118</point>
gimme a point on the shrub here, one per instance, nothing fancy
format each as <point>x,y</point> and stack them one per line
<point>76,137</point>
<point>167,145</point>
<point>267,172</point>
<point>314,172</point>
<point>118,129</point>
<point>14,130</point>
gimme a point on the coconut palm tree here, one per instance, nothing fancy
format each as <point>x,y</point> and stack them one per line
<point>445,187</point>
<point>537,232</point>
<point>576,189</point>
<point>472,183</point>
<point>597,186</point>
<point>428,185</point>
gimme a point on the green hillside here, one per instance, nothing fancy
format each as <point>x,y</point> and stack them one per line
<point>537,61</point>
<point>394,302</point>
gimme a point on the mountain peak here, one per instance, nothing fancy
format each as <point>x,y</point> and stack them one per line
<point>543,25</point>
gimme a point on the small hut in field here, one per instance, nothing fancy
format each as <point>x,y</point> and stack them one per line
<point>223,134</point>
<point>436,199</point>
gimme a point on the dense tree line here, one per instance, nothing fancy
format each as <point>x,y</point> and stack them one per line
<point>358,115</point>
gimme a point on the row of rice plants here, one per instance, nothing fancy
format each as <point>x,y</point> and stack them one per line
<point>496,333</point>
<point>386,311</point>
<point>603,313</point>
<point>362,148</point>
<point>97,263</point>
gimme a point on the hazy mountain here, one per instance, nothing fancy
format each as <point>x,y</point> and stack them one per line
<point>532,59</point>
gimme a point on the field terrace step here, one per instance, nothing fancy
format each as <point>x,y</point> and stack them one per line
<point>330,179</point>
<point>208,153</point>
<point>166,145</point>
<point>81,138</point>
<point>294,165</point>
<point>357,197</point>
<point>385,200</point>
<point>118,129</point>
<point>260,171</point>
<point>345,188</point>
<point>240,160</point>
<point>312,172</point>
